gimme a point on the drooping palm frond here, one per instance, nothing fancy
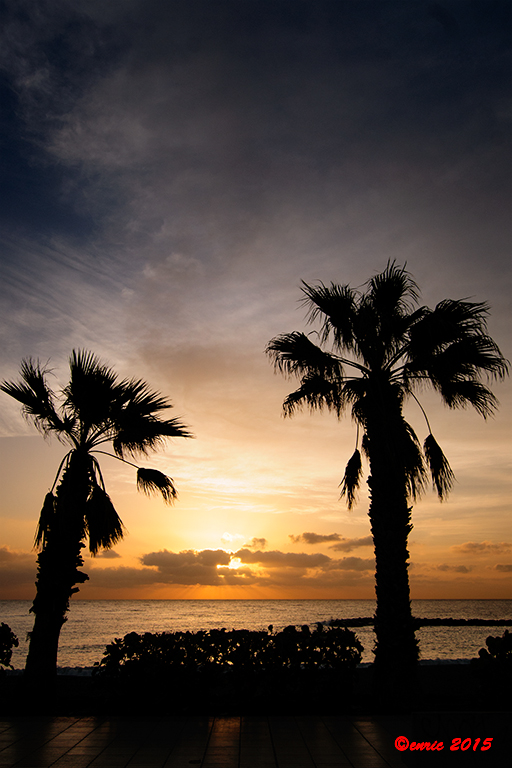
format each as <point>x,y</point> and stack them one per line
<point>352,478</point>
<point>96,474</point>
<point>411,458</point>
<point>152,481</point>
<point>442,475</point>
<point>45,520</point>
<point>102,523</point>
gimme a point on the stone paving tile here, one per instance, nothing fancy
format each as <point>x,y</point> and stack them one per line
<point>256,746</point>
<point>359,751</point>
<point>380,738</point>
<point>323,748</point>
<point>190,744</point>
<point>289,745</point>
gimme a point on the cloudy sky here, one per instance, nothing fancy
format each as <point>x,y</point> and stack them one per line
<point>170,171</point>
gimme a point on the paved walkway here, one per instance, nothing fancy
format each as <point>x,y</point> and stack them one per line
<point>206,742</point>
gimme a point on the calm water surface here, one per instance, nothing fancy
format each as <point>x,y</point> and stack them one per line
<point>92,624</point>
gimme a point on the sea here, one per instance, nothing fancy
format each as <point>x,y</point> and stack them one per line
<point>93,624</point>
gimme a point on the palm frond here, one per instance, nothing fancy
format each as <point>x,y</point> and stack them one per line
<point>336,305</point>
<point>136,394</point>
<point>316,392</point>
<point>383,316</point>
<point>138,434</point>
<point>45,520</point>
<point>412,459</point>
<point>393,292</point>
<point>96,473</point>
<point>102,523</point>
<point>35,396</point>
<point>352,478</point>
<point>468,358</point>
<point>461,318</point>
<point>461,393</point>
<point>451,321</point>
<point>442,474</point>
<point>91,390</point>
<point>152,481</point>
<point>295,354</point>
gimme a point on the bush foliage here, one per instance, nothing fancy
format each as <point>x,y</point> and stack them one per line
<point>8,641</point>
<point>330,648</point>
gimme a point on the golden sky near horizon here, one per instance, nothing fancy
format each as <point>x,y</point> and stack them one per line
<point>168,186</point>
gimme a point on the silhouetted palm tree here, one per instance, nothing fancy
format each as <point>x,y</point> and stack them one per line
<point>96,408</point>
<point>384,347</point>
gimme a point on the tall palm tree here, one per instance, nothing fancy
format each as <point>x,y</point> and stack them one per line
<point>383,349</point>
<point>95,409</point>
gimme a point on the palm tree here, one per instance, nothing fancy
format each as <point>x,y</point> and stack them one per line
<point>96,408</point>
<point>383,349</point>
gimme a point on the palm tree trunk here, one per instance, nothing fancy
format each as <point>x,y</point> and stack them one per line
<point>57,573</point>
<point>396,651</point>
<point>394,624</point>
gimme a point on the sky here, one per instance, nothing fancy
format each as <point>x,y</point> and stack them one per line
<point>171,170</point>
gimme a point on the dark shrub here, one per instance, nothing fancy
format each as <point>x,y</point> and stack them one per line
<point>498,652</point>
<point>323,648</point>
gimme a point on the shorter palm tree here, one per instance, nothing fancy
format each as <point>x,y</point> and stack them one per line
<point>95,409</point>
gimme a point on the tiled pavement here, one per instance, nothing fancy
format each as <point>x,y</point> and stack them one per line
<point>206,742</point>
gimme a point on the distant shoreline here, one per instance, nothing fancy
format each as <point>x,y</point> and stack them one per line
<point>368,621</point>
